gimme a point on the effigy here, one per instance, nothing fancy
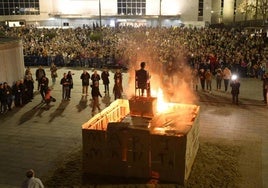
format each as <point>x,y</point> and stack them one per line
<point>133,138</point>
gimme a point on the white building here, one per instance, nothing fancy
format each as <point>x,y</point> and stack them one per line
<point>74,13</point>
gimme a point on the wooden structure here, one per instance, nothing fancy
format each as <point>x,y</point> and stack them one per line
<point>118,144</point>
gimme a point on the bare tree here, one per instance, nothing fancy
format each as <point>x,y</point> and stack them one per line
<point>255,9</point>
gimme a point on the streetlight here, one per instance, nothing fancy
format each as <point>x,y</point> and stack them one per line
<point>100,11</point>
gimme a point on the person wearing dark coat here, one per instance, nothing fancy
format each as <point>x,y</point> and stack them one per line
<point>43,87</point>
<point>8,95</point>
<point>65,82</point>
<point>235,86</point>
<point>85,77</point>
<point>105,78</point>
<point>142,78</point>
<point>117,90</point>
<point>95,77</point>
<point>70,77</point>
<point>95,93</point>
<point>39,73</point>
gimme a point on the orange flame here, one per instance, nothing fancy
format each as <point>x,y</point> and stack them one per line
<point>162,105</point>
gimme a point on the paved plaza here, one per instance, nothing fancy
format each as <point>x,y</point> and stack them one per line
<point>38,137</point>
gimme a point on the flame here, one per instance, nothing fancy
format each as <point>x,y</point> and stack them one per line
<point>162,105</point>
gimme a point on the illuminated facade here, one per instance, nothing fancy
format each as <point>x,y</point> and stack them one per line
<point>121,12</point>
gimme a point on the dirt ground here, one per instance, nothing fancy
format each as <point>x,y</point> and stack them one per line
<point>219,163</point>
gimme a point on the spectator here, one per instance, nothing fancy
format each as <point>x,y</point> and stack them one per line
<point>71,85</point>
<point>265,87</point>
<point>85,77</point>
<point>226,77</point>
<point>65,82</point>
<point>95,93</point>
<point>8,95</point>
<point>53,71</point>
<point>39,73</point>
<point>32,181</point>
<point>202,78</point>
<point>105,78</point>
<point>235,85</point>
<point>208,77</point>
<point>219,76</point>
<point>95,77</point>
<point>43,87</point>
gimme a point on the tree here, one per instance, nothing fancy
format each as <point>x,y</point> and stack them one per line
<point>255,9</point>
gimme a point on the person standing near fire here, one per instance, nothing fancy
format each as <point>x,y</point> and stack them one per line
<point>95,93</point>
<point>105,78</point>
<point>142,78</point>
<point>117,90</point>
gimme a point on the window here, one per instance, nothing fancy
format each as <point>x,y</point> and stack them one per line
<point>131,7</point>
<point>19,7</point>
<point>201,8</point>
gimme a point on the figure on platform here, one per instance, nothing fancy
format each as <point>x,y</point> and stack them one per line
<point>118,75</point>
<point>142,80</point>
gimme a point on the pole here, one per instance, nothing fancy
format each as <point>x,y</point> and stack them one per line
<point>100,11</point>
<point>160,13</point>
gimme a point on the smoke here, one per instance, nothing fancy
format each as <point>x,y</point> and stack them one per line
<point>165,55</point>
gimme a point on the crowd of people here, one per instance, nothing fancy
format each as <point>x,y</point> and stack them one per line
<point>211,53</point>
<point>240,50</point>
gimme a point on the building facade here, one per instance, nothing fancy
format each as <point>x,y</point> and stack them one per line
<point>74,13</point>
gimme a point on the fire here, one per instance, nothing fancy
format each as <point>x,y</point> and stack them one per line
<point>162,105</point>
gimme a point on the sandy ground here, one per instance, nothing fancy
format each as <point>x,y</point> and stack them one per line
<point>219,163</point>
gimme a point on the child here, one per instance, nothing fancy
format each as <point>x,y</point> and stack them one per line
<point>118,89</point>
<point>48,97</point>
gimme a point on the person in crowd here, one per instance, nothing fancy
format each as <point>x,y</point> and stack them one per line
<point>43,87</point>
<point>3,103</point>
<point>195,79</point>
<point>95,93</point>
<point>105,79</point>
<point>17,92</point>
<point>29,86</point>
<point>53,71</point>
<point>32,181</point>
<point>8,95</point>
<point>226,77</point>
<point>202,78</point>
<point>95,77</point>
<point>208,77</point>
<point>117,90</point>
<point>85,77</point>
<point>265,87</point>
<point>219,76</point>
<point>28,71</point>
<point>65,82</point>
<point>235,87</point>
<point>142,78</point>
<point>39,74</point>
<point>70,78</point>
